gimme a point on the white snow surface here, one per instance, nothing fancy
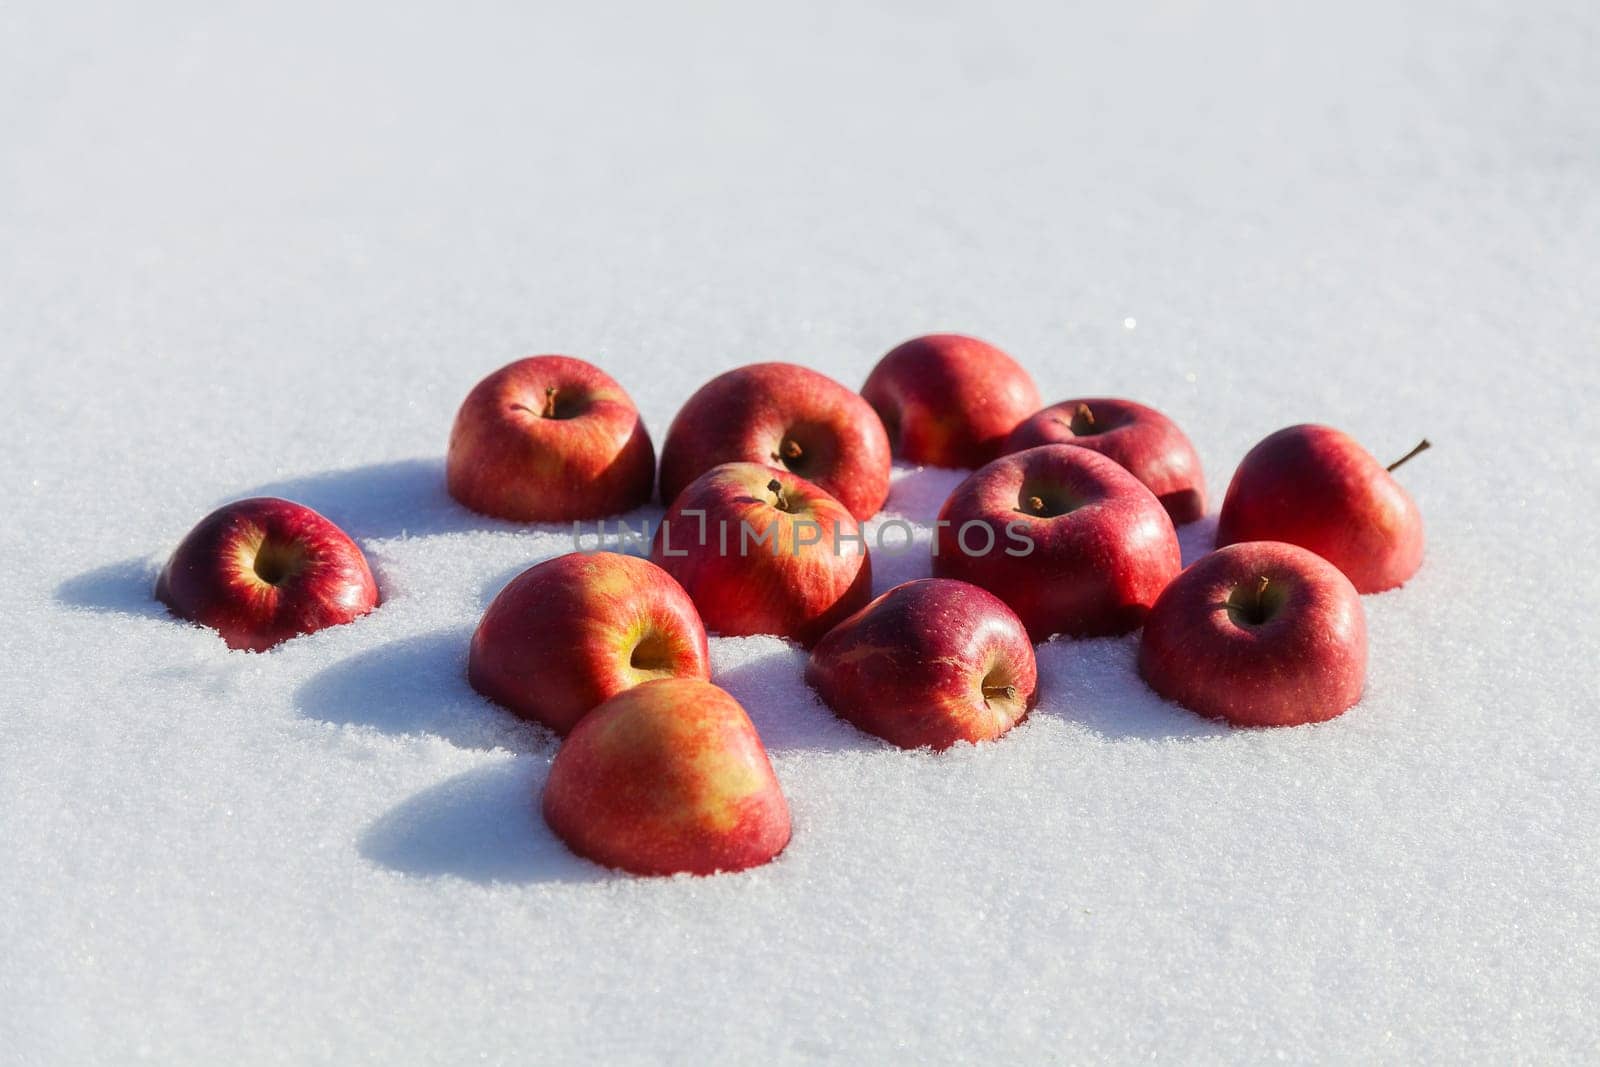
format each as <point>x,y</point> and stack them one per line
<point>268,249</point>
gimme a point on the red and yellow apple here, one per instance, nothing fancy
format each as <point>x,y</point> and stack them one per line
<point>784,416</point>
<point>1070,540</point>
<point>1259,634</point>
<point>948,400</point>
<point>263,570</point>
<point>763,551</point>
<point>1315,487</point>
<point>927,664</point>
<point>570,633</point>
<point>1144,441</point>
<point>666,777</point>
<point>549,439</point>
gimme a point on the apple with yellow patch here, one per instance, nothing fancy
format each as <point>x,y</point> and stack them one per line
<point>927,664</point>
<point>570,633</point>
<point>263,570</point>
<point>664,778</point>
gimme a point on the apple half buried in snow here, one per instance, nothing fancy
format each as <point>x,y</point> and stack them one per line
<point>549,439</point>
<point>763,551</point>
<point>927,664</point>
<point>1259,634</point>
<point>1145,442</point>
<point>568,634</point>
<point>666,777</point>
<point>263,570</point>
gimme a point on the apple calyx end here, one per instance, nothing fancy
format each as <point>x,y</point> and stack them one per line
<point>275,562</point>
<point>1422,446</point>
<point>1009,692</point>
<point>652,654</point>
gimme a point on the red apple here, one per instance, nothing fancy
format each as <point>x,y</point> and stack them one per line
<point>1066,537</point>
<point>927,664</point>
<point>549,439</point>
<point>1143,440</point>
<point>263,570</point>
<point>668,776</point>
<point>1260,634</point>
<point>574,631</point>
<point>948,400</point>
<point>1315,487</point>
<point>787,417</point>
<point>763,551</point>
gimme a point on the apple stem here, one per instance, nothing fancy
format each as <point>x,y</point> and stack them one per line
<point>1255,612</point>
<point>1083,419</point>
<point>775,487</point>
<point>1036,505</point>
<point>1422,446</point>
<point>549,411</point>
<point>1007,691</point>
<point>790,450</point>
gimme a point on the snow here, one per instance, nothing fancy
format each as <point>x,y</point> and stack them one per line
<point>269,250</point>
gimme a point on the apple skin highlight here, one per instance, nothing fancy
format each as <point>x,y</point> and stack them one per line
<point>262,570</point>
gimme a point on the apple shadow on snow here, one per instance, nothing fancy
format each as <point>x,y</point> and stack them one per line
<point>499,581</point>
<point>123,588</point>
<point>408,497</point>
<point>481,826</point>
<point>593,539</point>
<point>405,497</point>
<point>416,686</point>
<point>1095,684</point>
<point>380,499</point>
<point>894,565</point>
<point>1198,538</point>
<point>917,493</point>
<point>771,687</point>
